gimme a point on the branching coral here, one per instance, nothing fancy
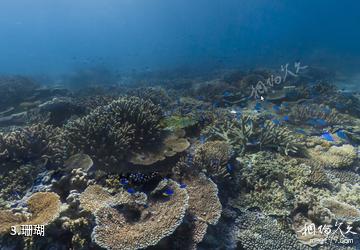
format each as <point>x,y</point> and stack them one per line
<point>212,157</point>
<point>14,183</point>
<point>270,182</point>
<point>250,132</point>
<point>110,132</point>
<point>280,138</point>
<point>31,144</point>
<point>156,95</point>
<point>308,113</point>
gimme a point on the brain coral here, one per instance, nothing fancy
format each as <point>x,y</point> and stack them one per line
<point>132,226</point>
<point>110,132</point>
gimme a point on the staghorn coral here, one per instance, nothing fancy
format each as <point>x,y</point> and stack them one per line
<point>318,177</point>
<point>280,138</point>
<point>236,134</point>
<point>335,157</point>
<point>212,157</point>
<point>301,114</point>
<point>31,144</point>
<point>110,132</point>
<point>134,227</point>
<point>250,132</point>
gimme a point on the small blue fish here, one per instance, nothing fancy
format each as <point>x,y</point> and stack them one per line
<point>317,122</point>
<point>341,134</point>
<point>229,167</point>
<point>286,118</point>
<point>215,104</point>
<point>327,136</point>
<point>276,108</point>
<point>326,110</point>
<point>130,190</point>
<point>124,181</point>
<point>168,192</point>
<point>183,185</point>
<point>226,93</point>
<point>201,97</point>
<point>301,131</point>
<point>202,139</point>
<point>276,122</point>
<point>238,115</point>
<point>258,106</point>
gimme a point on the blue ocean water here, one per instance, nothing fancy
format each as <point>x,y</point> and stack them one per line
<point>56,37</point>
<point>179,124</point>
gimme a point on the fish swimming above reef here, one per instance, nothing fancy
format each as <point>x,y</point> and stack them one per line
<point>327,136</point>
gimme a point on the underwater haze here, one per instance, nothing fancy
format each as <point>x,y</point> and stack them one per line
<point>53,37</point>
<point>179,124</point>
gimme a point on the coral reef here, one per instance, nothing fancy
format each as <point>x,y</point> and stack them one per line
<point>261,232</point>
<point>249,132</point>
<point>42,208</point>
<point>109,133</point>
<point>189,163</point>
<point>301,114</point>
<point>212,157</point>
<point>135,227</point>
<point>335,157</point>
<point>341,210</point>
<point>32,143</point>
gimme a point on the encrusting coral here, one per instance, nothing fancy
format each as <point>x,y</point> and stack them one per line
<point>109,133</point>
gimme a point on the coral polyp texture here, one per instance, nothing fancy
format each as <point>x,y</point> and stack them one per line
<point>189,163</point>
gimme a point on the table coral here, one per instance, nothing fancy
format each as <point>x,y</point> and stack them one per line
<point>130,227</point>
